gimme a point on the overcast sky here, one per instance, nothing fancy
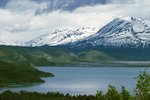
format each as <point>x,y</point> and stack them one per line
<point>18,20</point>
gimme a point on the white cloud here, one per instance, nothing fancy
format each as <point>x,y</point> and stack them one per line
<point>17,21</point>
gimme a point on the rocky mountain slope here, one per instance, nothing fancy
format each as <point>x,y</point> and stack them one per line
<point>126,32</point>
<point>9,42</point>
<point>62,36</point>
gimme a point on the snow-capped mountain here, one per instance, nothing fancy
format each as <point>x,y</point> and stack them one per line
<point>121,32</point>
<point>62,36</point>
<point>128,32</point>
<point>9,42</point>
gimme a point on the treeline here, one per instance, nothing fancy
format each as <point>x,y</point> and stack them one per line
<point>142,92</point>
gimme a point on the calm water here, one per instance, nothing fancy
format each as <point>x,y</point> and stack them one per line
<point>84,80</point>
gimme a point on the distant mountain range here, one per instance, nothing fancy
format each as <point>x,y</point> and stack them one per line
<point>128,32</point>
<point>62,36</point>
<point>9,42</point>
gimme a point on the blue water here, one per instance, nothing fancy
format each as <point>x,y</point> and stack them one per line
<point>85,80</point>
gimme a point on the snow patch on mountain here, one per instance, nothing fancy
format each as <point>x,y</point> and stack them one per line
<point>8,42</point>
<point>128,32</point>
<point>62,36</point>
<point>121,32</point>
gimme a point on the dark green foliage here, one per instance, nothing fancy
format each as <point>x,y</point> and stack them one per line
<point>125,95</point>
<point>142,89</point>
<point>100,95</point>
<point>8,95</point>
<point>13,72</point>
<point>112,93</point>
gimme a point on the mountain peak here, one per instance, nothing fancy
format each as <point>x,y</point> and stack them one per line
<point>121,32</point>
<point>131,19</point>
<point>127,19</point>
<point>63,36</point>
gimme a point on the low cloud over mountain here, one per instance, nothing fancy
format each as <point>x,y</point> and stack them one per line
<point>24,20</point>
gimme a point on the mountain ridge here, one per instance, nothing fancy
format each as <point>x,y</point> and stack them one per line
<point>62,36</point>
<point>127,32</point>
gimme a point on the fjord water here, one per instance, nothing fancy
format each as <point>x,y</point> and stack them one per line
<point>85,80</point>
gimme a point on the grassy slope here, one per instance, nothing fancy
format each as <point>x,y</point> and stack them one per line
<point>127,54</point>
<point>38,56</point>
<point>94,56</point>
<point>51,56</point>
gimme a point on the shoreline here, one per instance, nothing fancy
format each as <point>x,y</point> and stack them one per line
<point>115,64</point>
<point>105,64</point>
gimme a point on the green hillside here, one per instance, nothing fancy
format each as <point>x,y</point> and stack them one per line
<point>38,56</point>
<point>15,68</point>
<point>54,56</point>
<point>6,54</point>
<point>16,63</point>
<point>13,73</point>
<point>94,56</point>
